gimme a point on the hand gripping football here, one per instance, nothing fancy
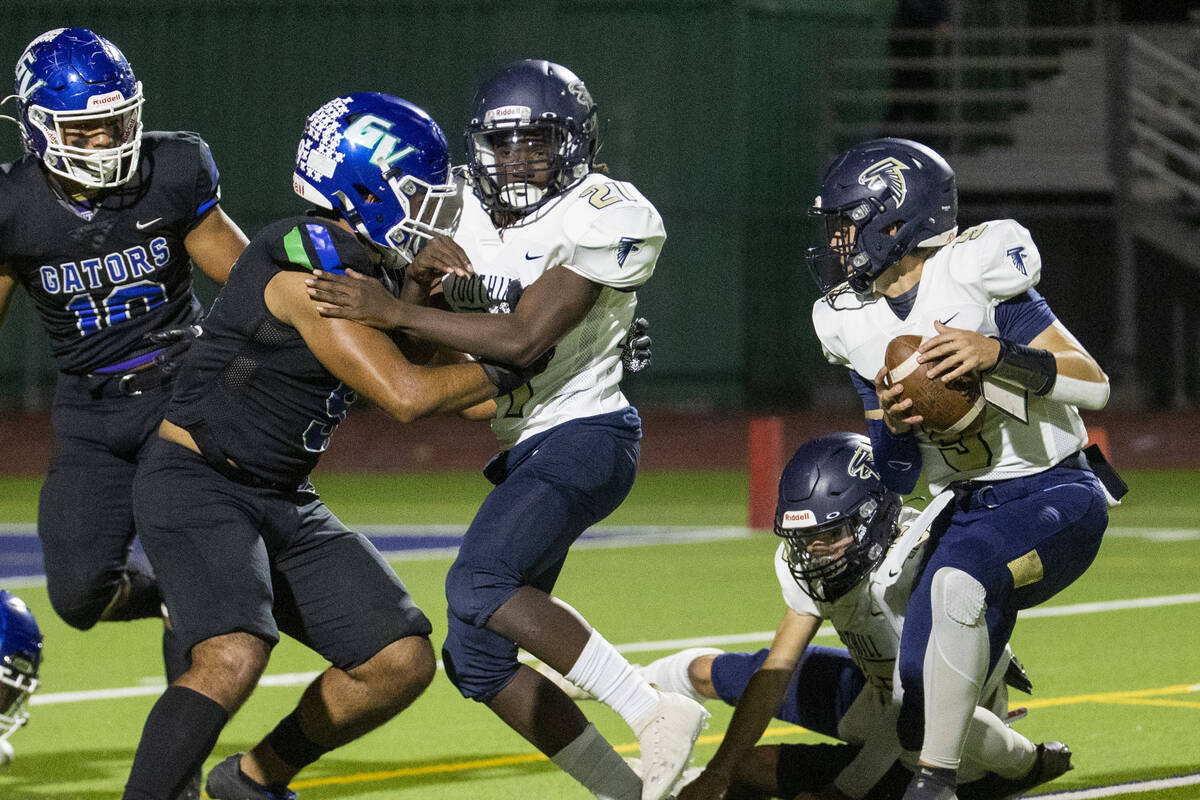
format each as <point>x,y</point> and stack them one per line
<point>954,408</point>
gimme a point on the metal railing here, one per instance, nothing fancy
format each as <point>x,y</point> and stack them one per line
<point>957,86</point>
<point>1164,122</point>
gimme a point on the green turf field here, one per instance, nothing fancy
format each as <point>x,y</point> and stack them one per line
<point>1120,682</point>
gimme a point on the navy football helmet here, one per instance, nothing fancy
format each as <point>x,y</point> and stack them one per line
<point>383,165</point>
<point>869,189</point>
<point>532,136</point>
<point>834,514</point>
<point>72,78</point>
<point>20,658</point>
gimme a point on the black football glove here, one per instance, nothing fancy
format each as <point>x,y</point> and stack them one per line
<point>635,349</point>
<point>175,343</point>
<point>507,378</point>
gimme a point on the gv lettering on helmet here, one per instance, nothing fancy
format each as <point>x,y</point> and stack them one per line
<point>371,131</point>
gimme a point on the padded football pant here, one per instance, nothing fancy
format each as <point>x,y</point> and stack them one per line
<point>1024,540</point>
<point>260,560</point>
<point>85,510</point>
<point>549,489</point>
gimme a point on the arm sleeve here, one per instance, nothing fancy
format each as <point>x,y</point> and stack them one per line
<point>1023,317</point>
<point>897,458</point>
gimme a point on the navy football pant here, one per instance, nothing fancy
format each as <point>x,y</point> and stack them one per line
<point>1024,540</point>
<point>550,489</point>
<point>85,509</point>
<point>823,685</point>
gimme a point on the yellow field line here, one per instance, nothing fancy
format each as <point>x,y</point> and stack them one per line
<point>1131,697</point>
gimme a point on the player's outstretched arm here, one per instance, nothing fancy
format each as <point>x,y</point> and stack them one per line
<point>367,360</point>
<point>756,707</point>
<point>549,308</point>
<point>215,244</point>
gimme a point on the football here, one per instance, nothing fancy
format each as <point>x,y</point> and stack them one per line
<point>955,407</point>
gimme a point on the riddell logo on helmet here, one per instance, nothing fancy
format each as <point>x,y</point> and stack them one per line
<point>509,114</point>
<point>802,518</point>
<point>101,100</point>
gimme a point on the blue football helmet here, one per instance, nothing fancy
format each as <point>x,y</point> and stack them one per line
<point>869,189</point>
<point>72,78</point>
<point>532,136</point>
<point>20,658</point>
<point>836,517</point>
<point>383,165</point>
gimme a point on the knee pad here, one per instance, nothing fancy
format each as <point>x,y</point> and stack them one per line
<point>958,597</point>
<point>473,592</point>
<point>478,662</point>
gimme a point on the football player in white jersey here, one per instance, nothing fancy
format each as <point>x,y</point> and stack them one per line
<point>1028,512</point>
<point>555,249</point>
<point>850,555</point>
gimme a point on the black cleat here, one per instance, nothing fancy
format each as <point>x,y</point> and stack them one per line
<point>1016,676</point>
<point>226,781</point>
<point>1053,759</point>
<point>931,783</point>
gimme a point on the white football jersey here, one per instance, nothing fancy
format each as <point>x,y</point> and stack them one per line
<point>961,285</point>
<point>869,620</point>
<point>602,229</point>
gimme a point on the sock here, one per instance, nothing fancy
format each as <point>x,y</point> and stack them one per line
<point>291,743</point>
<point>591,760</point>
<point>992,746</point>
<point>670,673</point>
<point>179,734</point>
<point>955,665</point>
<point>604,672</point>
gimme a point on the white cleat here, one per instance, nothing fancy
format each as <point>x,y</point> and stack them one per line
<point>690,774</point>
<point>569,689</point>
<point>666,736</point>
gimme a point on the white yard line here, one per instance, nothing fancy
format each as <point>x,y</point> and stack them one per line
<point>155,686</point>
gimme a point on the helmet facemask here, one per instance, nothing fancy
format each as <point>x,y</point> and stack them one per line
<point>828,561</point>
<point>102,168</point>
<point>554,160</point>
<point>18,680</point>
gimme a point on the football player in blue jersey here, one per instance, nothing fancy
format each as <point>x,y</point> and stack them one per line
<point>554,250</point>
<point>242,545</point>
<point>1028,509</point>
<point>20,658</point>
<point>100,222</point>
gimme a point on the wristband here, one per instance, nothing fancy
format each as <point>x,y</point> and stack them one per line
<point>506,379</point>
<point>1023,365</point>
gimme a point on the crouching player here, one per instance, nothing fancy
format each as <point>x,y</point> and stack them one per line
<point>851,554</point>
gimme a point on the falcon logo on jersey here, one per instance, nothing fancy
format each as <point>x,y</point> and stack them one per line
<point>1017,254</point>
<point>861,465</point>
<point>889,173</point>
<point>626,246</point>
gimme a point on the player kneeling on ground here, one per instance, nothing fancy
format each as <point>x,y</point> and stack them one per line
<point>851,554</point>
